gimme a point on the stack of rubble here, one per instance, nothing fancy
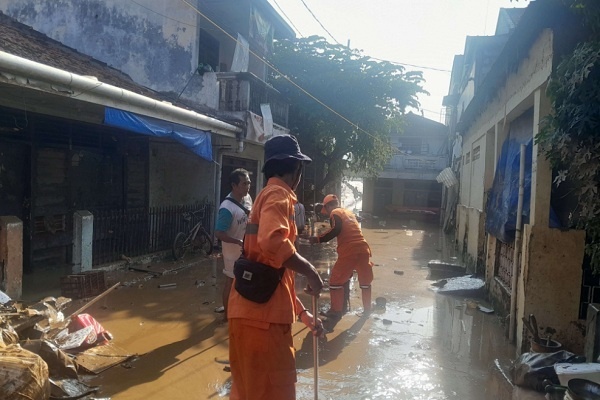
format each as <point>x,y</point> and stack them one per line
<point>39,348</point>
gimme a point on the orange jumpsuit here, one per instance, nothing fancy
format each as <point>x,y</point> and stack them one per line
<point>261,349</point>
<point>353,254</point>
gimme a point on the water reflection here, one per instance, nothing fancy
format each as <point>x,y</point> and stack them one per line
<point>422,346</point>
<point>439,352</point>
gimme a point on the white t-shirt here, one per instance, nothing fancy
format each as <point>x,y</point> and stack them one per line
<point>237,229</point>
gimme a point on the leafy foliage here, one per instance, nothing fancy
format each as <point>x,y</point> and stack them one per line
<point>571,136</point>
<point>344,104</point>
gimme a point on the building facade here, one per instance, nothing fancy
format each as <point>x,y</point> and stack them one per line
<point>408,184</point>
<point>534,267</point>
<point>133,111</point>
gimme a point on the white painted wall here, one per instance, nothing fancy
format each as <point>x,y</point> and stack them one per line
<point>510,102</point>
<point>477,173</point>
<point>550,278</point>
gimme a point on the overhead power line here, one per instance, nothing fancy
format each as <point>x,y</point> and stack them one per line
<point>412,65</point>
<point>329,33</point>
<point>319,22</point>
<point>288,18</point>
<point>163,15</point>
<point>268,64</point>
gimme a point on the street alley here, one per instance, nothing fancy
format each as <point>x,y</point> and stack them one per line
<point>423,345</point>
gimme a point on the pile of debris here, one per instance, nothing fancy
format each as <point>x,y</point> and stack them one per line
<point>45,354</point>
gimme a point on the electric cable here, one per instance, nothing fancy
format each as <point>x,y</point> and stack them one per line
<point>268,64</point>
<point>297,30</point>
<point>319,22</point>
<point>163,15</point>
<point>412,65</point>
<point>288,18</point>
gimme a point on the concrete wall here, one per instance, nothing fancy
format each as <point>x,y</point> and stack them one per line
<point>465,179</point>
<point>470,237</point>
<point>477,172</point>
<point>178,176</point>
<point>11,256</point>
<point>510,102</point>
<point>497,292</point>
<point>368,195</point>
<point>550,279</point>
<point>133,37</point>
<point>549,285</point>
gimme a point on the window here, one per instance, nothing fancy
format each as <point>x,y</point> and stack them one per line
<point>476,153</point>
<point>208,50</point>
<point>468,158</point>
<point>408,145</point>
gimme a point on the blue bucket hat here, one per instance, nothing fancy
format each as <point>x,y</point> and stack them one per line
<point>282,147</point>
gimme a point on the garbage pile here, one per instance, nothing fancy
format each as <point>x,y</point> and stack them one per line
<point>40,349</point>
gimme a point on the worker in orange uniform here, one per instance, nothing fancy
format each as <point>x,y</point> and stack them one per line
<point>261,349</point>
<point>353,255</point>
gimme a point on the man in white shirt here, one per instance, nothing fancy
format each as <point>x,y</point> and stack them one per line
<point>231,225</point>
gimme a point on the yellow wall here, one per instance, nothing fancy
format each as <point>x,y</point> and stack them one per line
<point>549,285</point>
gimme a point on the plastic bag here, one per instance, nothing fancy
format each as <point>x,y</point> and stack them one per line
<point>96,335</point>
<point>531,369</point>
<point>23,375</point>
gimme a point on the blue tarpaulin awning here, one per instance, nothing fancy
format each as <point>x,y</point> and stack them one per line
<point>194,139</point>
<point>503,197</point>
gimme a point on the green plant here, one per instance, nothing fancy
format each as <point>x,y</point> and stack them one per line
<point>571,136</point>
<point>344,104</point>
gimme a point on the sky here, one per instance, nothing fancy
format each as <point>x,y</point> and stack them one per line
<point>426,34</point>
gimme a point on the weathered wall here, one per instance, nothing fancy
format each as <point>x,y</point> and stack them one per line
<point>511,101</point>
<point>11,255</point>
<point>550,279</point>
<point>478,157</point>
<point>133,37</point>
<point>498,293</point>
<point>178,176</point>
<point>550,284</point>
<point>368,195</point>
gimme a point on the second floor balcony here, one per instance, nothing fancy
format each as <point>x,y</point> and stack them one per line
<point>417,162</point>
<point>243,91</point>
<point>405,166</point>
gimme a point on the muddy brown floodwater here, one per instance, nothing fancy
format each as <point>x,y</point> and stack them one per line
<point>423,345</point>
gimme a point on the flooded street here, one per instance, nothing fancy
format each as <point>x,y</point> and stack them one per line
<point>423,345</point>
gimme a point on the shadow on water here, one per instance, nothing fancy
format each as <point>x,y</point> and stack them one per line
<point>427,347</point>
<point>329,350</point>
<point>438,352</point>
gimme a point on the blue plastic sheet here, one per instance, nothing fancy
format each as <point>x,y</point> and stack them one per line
<point>501,208</point>
<point>196,140</point>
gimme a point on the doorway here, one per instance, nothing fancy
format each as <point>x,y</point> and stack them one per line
<point>229,164</point>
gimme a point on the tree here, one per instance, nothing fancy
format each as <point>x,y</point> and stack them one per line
<point>343,104</point>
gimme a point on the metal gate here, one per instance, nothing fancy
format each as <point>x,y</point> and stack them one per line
<point>505,253</point>
<point>121,233</point>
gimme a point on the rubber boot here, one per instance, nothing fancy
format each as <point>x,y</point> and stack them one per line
<point>366,298</point>
<point>346,306</point>
<point>337,300</point>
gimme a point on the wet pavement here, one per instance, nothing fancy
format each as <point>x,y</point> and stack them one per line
<point>423,345</point>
